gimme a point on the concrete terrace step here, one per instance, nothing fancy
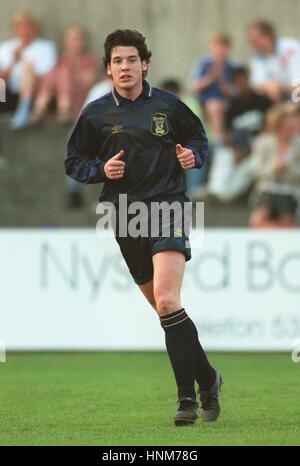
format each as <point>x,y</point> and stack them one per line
<point>33,184</point>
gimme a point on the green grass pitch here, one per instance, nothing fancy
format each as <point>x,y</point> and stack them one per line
<point>129,398</point>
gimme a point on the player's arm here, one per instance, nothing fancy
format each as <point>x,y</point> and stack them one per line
<point>192,144</point>
<point>82,162</point>
<point>83,146</point>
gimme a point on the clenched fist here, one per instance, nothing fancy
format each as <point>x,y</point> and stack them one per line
<point>185,157</point>
<point>114,167</point>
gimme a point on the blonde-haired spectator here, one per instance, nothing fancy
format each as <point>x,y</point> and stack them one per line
<point>23,61</point>
<point>69,82</point>
<point>276,153</point>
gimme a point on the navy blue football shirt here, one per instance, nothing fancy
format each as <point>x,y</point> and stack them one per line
<point>147,129</point>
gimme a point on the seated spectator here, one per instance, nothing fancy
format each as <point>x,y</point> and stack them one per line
<point>276,154</point>
<point>231,171</point>
<point>174,87</point>
<point>275,63</point>
<point>23,62</point>
<point>171,85</point>
<point>210,81</point>
<point>275,208</point>
<point>246,108</point>
<point>102,87</point>
<point>69,81</point>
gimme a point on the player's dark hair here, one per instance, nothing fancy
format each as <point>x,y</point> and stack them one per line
<point>264,27</point>
<point>126,37</point>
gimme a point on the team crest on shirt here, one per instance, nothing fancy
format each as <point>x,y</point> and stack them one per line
<point>159,124</point>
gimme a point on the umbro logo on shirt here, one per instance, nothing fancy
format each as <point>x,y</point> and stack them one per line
<point>116,129</point>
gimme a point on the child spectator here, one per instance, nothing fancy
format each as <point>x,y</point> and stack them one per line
<point>210,80</point>
<point>246,108</point>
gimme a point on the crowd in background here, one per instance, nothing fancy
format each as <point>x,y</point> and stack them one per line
<point>250,111</point>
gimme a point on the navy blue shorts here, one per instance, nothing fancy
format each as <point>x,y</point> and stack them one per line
<point>138,251</point>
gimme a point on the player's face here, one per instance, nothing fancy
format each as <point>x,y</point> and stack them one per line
<point>126,68</point>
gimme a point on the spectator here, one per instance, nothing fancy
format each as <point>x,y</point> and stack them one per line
<point>231,172</point>
<point>276,154</point>
<point>174,87</point>
<point>275,208</point>
<point>171,85</point>
<point>102,87</point>
<point>275,63</point>
<point>23,61</point>
<point>246,108</point>
<point>69,81</point>
<point>210,81</point>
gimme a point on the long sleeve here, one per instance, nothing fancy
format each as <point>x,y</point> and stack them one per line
<point>82,163</point>
<point>191,133</point>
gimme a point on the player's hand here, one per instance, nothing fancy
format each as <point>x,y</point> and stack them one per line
<point>185,157</point>
<point>114,167</point>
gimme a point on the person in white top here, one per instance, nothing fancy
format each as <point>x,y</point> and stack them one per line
<point>23,61</point>
<point>275,64</point>
<point>104,86</point>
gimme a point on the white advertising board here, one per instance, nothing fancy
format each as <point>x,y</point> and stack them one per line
<point>70,289</point>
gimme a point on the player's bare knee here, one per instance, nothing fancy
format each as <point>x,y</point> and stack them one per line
<point>166,303</point>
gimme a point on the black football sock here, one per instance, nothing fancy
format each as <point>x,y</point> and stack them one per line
<point>205,374</point>
<point>180,343</point>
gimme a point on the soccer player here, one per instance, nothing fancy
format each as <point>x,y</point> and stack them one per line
<point>139,140</point>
